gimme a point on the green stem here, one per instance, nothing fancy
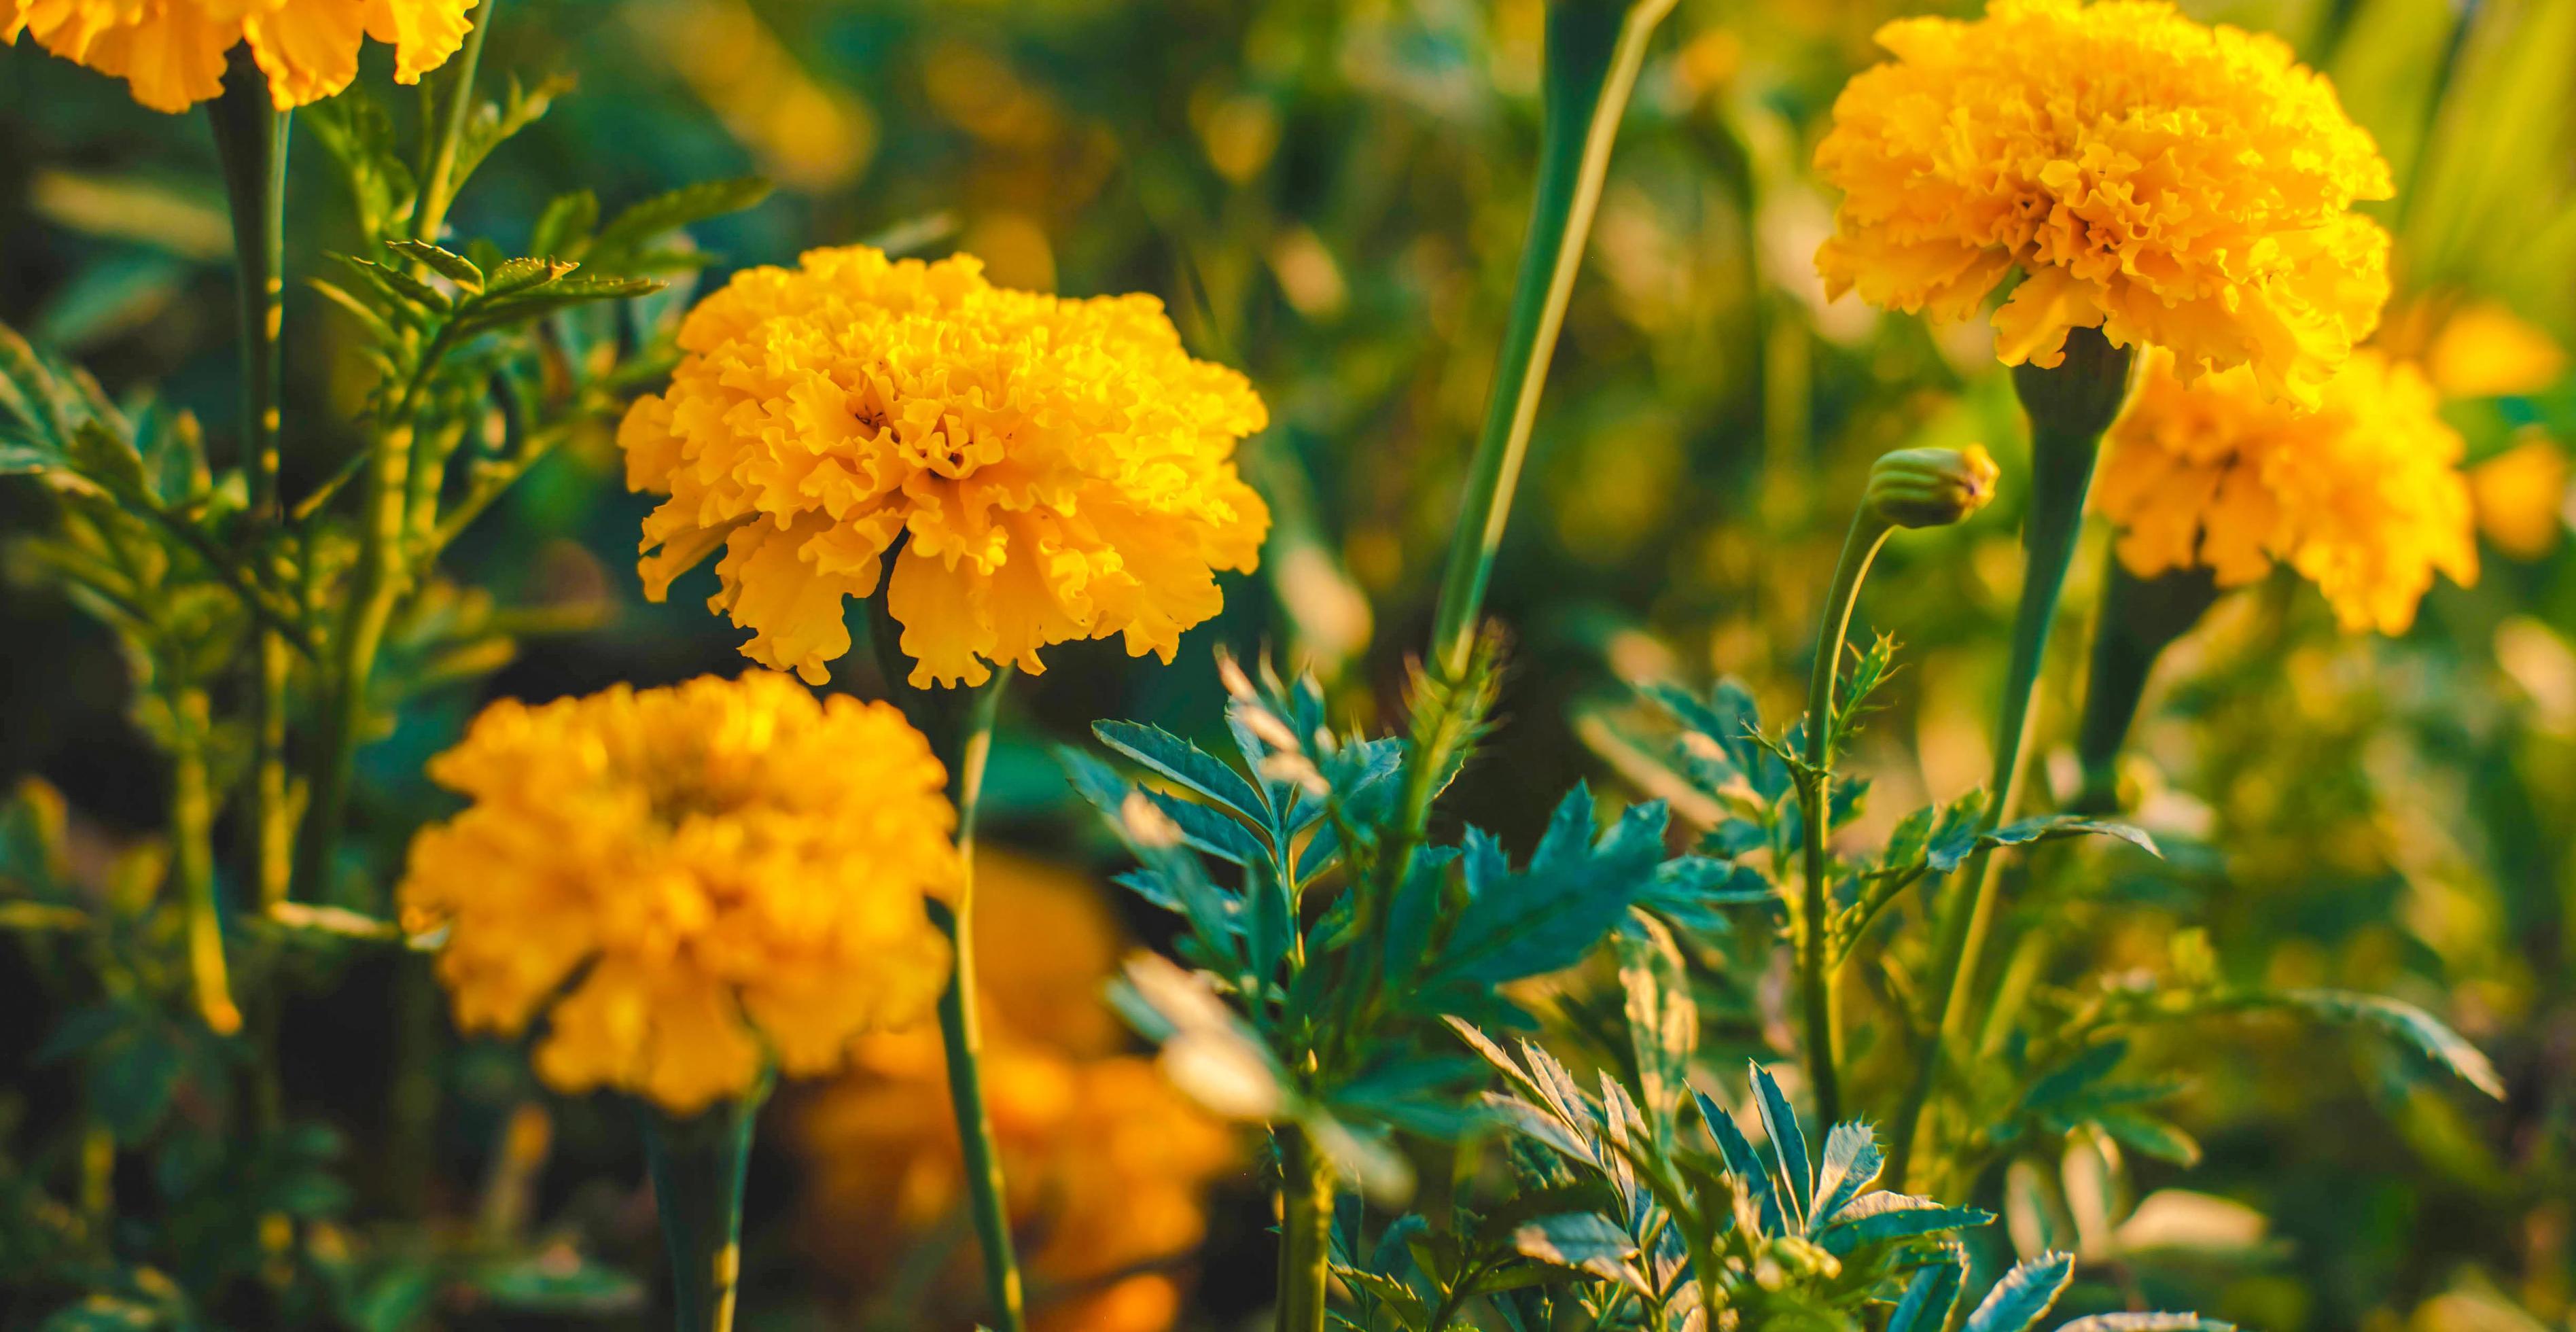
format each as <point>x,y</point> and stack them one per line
<point>438,184</point>
<point>2140,618</point>
<point>192,836</point>
<point>250,141</point>
<point>959,725</point>
<point>698,1166</point>
<point>1815,799</point>
<point>374,584</point>
<point>1594,48</point>
<point>2069,407</point>
<point>1305,1230</point>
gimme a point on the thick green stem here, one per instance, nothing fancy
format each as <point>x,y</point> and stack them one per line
<point>2069,408</point>
<point>959,725</point>
<point>1305,1230</point>
<point>192,836</point>
<point>250,140</point>
<point>1815,799</point>
<point>698,1166</point>
<point>1593,50</point>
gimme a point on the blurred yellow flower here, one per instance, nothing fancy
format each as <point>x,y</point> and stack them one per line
<point>2484,350</point>
<point>1106,1163</point>
<point>1055,469</point>
<point>2363,497</point>
<point>2165,182</point>
<point>171,52</point>
<point>2521,497</point>
<point>733,869</point>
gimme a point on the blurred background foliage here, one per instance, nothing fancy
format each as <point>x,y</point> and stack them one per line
<point>1331,195</point>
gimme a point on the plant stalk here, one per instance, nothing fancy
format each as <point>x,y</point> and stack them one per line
<point>250,142</point>
<point>1305,1230</point>
<point>959,725</point>
<point>376,581</point>
<point>1594,48</point>
<point>698,1166</point>
<point>1815,800</point>
<point>192,836</point>
<point>438,184</point>
<point>2069,407</point>
<point>2141,617</point>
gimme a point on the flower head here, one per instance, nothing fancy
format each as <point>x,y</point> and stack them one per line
<point>1054,469</point>
<point>1106,1163</point>
<point>171,52</point>
<point>722,872</point>
<point>2363,497</point>
<point>2164,182</point>
<point>1931,487</point>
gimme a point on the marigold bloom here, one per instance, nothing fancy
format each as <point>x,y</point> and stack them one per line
<point>171,52</point>
<point>719,869</point>
<point>1106,1162</point>
<point>1055,469</point>
<point>2167,183</point>
<point>2363,497</point>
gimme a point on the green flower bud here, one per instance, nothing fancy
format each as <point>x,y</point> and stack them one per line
<point>1930,487</point>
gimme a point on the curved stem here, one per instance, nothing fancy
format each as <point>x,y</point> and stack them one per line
<point>2140,618</point>
<point>698,1167</point>
<point>1815,800</point>
<point>1305,1230</point>
<point>1593,50</point>
<point>438,184</point>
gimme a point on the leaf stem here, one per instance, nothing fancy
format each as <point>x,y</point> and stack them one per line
<point>1593,49</point>
<point>2069,407</point>
<point>698,1167</point>
<point>1815,802</point>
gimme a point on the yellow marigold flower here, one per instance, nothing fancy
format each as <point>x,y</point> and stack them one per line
<point>2521,497</point>
<point>733,869</point>
<point>1106,1163</point>
<point>2485,350</point>
<point>2165,182</point>
<point>2364,496</point>
<point>171,52</point>
<point>1055,469</point>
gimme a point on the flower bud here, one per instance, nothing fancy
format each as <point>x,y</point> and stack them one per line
<point>1930,487</point>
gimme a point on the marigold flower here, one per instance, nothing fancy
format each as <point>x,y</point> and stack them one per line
<point>2165,182</point>
<point>171,52</point>
<point>2363,497</point>
<point>1107,1164</point>
<point>1054,469</point>
<point>722,871</point>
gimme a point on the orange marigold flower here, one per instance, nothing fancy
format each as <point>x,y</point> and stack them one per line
<point>2363,497</point>
<point>1106,1163</point>
<point>1054,469</point>
<point>2164,182</point>
<point>171,52</point>
<point>733,869</point>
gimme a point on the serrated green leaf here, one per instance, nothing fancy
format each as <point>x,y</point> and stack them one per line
<point>664,213</point>
<point>2023,1297</point>
<point>1579,1240</point>
<point>2419,1029</point>
<point>454,267</point>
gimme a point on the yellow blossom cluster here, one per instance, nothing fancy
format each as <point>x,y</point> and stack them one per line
<point>2363,497</point>
<point>2165,182</point>
<point>722,874</point>
<point>1053,469</point>
<point>171,52</point>
<point>1106,1163</point>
